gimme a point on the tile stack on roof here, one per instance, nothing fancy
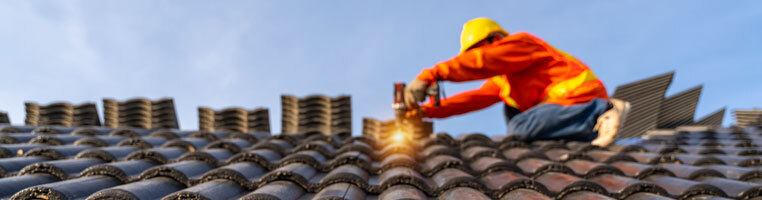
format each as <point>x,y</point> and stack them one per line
<point>678,110</point>
<point>645,97</point>
<point>374,128</point>
<point>751,117</point>
<point>722,163</point>
<point>86,114</point>
<point>258,120</point>
<point>61,114</point>
<point>234,119</point>
<point>651,110</point>
<point>381,130</point>
<point>140,113</point>
<point>32,111</point>
<point>712,119</point>
<point>4,118</point>
<point>163,114</point>
<point>318,114</point>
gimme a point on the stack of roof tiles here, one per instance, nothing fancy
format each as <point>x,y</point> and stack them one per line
<point>140,113</point>
<point>651,110</point>
<point>61,114</point>
<point>86,114</point>
<point>234,119</point>
<point>751,117</point>
<point>317,113</point>
<point>378,129</point>
<point>96,163</point>
<point>4,118</point>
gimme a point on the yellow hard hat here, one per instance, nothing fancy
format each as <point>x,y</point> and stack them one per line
<point>476,30</point>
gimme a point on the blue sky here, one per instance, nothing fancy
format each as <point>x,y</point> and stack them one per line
<point>248,53</point>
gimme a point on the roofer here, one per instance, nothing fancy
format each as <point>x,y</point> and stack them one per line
<point>548,94</point>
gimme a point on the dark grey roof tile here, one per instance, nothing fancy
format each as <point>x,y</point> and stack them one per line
<point>11,166</point>
<point>56,139</point>
<point>185,172</point>
<point>13,184</point>
<point>13,150</point>
<point>153,188</point>
<point>108,154</point>
<point>57,152</point>
<point>341,191</point>
<point>144,142</point>
<point>264,157</point>
<point>63,169</point>
<point>188,143</point>
<point>283,190</point>
<point>214,157</point>
<point>244,173</point>
<point>296,172</point>
<point>234,145</point>
<point>211,190</point>
<point>159,155</point>
<point>347,174</point>
<point>100,141</point>
<point>15,138</point>
<point>79,188</point>
<point>125,171</point>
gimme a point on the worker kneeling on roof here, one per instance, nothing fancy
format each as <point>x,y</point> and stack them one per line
<point>548,94</point>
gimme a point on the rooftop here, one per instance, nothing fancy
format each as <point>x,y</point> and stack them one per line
<point>64,152</point>
<point>132,163</point>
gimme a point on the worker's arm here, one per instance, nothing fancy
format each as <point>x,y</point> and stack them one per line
<point>464,102</point>
<point>510,54</point>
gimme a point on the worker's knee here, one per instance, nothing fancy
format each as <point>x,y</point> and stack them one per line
<point>525,127</point>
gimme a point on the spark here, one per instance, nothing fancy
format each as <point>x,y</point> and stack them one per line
<point>399,136</point>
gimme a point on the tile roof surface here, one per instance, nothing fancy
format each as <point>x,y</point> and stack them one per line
<point>139,153</point>
<point>96,162</point>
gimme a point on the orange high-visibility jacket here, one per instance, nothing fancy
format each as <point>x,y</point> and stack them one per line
<point>521,70</point>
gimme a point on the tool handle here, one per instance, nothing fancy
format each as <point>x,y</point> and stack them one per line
<point>399,92</point>
<point>433,93</point>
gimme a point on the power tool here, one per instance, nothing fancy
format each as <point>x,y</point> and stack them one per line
<point>401,110</point>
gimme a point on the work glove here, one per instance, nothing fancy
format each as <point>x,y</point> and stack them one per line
<point>415,114</point>
<point>415,92</point>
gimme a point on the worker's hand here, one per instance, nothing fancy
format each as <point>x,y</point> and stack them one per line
<point>416,113</point>
<point>415,92</point>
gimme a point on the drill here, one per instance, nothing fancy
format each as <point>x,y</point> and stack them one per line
<point>400,109</point>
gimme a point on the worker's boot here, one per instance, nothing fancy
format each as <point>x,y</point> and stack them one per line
<point>610,122</point>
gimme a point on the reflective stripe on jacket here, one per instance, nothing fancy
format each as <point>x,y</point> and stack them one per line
<point>521,70</point>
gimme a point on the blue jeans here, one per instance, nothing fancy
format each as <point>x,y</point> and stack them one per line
<point>556,122</point>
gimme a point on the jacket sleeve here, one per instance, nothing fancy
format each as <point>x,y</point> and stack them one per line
<point>508,55</point>
<point>464,102</point>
